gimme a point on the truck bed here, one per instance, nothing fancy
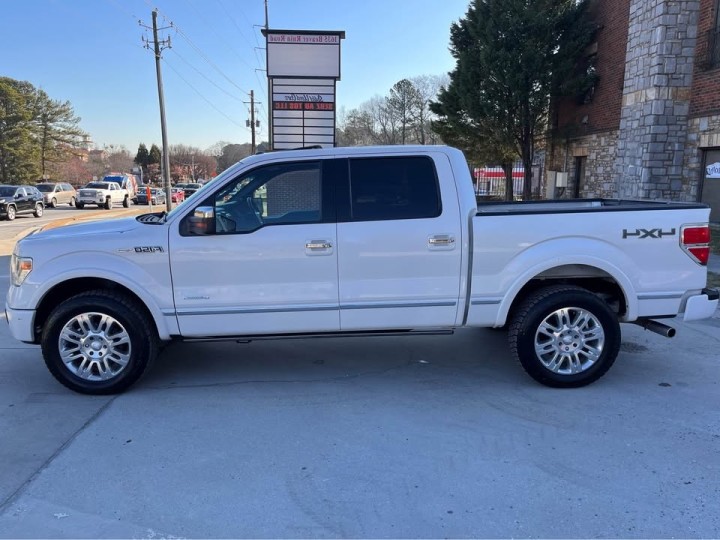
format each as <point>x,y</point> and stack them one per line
<point>580,205</point>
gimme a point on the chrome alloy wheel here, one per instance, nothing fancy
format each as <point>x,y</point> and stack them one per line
<point>94,346</point>
<point>569,340</point>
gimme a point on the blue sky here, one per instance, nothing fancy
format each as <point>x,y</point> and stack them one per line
<point>90,53</point>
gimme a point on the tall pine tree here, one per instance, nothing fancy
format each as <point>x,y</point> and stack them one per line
<point>512,57</point>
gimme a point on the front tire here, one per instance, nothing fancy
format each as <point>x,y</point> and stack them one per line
<point>126,202</point>
<point>564,336</point>
<point>79,205</point>
<point>108,204</point>
<point>99,343</point>
<point>53,203</point>
<point>72,201</point>
<point>11,213</point>
<point>38,210</point>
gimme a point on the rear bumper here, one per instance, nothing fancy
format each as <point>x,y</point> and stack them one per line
<point>701,306</point>
<point>21,322</point>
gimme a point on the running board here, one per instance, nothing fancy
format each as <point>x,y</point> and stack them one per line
<point>357,333</point>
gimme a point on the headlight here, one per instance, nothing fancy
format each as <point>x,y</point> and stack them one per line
<point>20,267</point>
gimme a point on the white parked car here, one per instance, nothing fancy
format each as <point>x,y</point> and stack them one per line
<point>359,241</point>
<point>103,194</point>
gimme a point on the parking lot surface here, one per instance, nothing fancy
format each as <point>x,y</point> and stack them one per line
<point>433,436</point>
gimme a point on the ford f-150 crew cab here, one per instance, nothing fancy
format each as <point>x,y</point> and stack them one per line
<point>353,241</point>
<point>103,194</point>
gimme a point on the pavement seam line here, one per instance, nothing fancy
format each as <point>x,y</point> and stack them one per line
<point>4,505</point>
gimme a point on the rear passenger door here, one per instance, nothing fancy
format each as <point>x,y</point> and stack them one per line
<point>399,243</point>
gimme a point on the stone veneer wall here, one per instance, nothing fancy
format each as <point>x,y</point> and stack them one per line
<point>600,149</point>
<point>656,99</point>
<point>703,133</point>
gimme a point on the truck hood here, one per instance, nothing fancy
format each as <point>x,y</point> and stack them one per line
<point>95,228</point>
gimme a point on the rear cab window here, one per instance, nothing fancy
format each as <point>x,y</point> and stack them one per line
<point>387,188</point>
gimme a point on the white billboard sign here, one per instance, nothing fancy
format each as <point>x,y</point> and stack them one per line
<point>302,67</point>
<point>303,54</point>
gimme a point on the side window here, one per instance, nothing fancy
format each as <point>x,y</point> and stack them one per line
<point>21,192</point>
<point>288,193</point>
<point>393,188</point>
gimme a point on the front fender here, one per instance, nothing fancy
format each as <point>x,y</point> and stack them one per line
<point>149,281</point>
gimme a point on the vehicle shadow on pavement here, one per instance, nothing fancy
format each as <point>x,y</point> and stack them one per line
<point>474,355</point>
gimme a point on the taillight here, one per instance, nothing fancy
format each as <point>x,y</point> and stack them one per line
<point>695,241</point>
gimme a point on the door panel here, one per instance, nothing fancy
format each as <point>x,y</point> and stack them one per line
<point>270,264</point>
<point>404,272</point>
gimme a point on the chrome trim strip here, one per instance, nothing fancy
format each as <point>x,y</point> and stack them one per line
<point>244,311</point>
<point>659,296</point>
<point>486,301</point>
<point>168,312</point>
<point>380,305</point>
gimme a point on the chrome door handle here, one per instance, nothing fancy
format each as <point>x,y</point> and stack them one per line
<point>318,245</point>
<point>441,240</point>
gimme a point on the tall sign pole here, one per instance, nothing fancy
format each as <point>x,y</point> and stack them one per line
<point>158,46</point>
<point>270,130</point>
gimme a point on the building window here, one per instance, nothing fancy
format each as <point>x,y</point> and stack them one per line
<point>713,41</point>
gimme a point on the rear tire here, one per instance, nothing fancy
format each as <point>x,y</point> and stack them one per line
<point>99,342</point>
<point>564,336</point>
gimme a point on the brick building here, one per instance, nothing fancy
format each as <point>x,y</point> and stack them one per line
<point>651,126</point>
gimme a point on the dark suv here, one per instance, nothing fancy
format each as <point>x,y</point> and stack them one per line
<point>16,200</point>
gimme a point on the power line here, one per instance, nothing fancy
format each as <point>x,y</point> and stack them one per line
<point>232,19</point>
<point>218,34</point>
<point>210,62</point>
<point>202,96</point>
<point>206,77</point>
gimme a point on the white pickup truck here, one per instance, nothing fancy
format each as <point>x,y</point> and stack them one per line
<point>103,194</point>
<point>358,241</point>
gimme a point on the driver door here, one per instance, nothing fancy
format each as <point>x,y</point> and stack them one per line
<point>267,263</point>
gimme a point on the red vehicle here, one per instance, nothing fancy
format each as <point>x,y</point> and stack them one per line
<point>177,195</point>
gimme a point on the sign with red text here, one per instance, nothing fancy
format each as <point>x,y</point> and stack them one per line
<point>303,67</point>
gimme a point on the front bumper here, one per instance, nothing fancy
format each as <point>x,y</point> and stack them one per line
<point>21,322</point>
<point>701,306</point>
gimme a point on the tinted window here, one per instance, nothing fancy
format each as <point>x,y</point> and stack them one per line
<point>272,195</point>
<point>45,188</point>
<point>393,188</point>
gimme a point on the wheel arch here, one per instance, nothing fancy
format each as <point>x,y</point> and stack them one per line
<point>68,288</point>
<point>598,277</point>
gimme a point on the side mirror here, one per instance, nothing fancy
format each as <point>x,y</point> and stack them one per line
<point>202,221</point>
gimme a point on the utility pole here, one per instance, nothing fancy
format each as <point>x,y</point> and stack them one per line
<point>158,47</point>
<point>252,124</point>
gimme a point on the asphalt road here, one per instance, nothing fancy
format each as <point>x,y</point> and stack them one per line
<point>375,437</point>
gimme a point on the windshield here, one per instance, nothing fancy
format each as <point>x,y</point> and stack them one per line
<point>116,179</point>
<point>7,191</point>
<point>98,185</point>
<point>45,188</point>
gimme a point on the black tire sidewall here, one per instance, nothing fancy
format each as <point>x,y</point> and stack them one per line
<point>137,326</point>
<point>539,311</point>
